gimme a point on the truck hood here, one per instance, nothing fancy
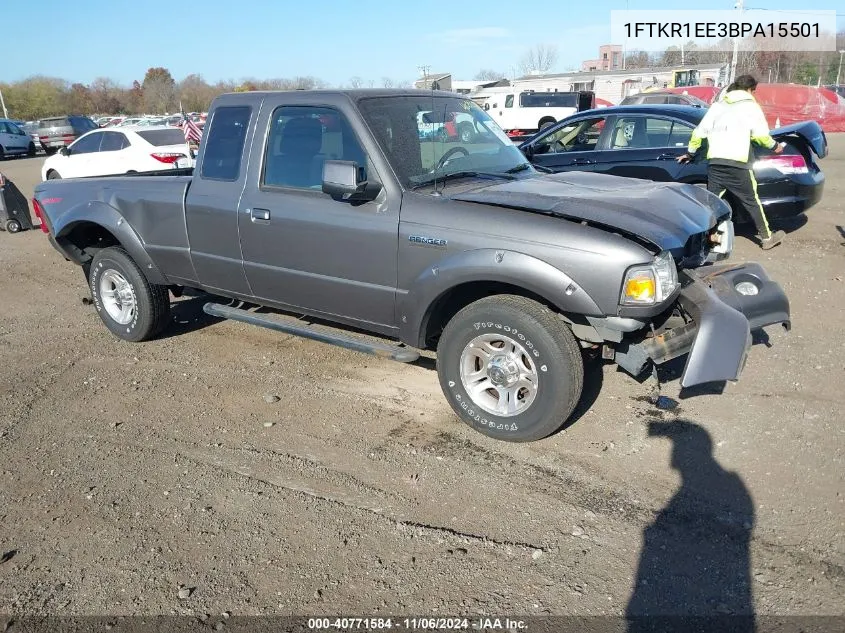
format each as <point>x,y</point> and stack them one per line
<point>664,214</point>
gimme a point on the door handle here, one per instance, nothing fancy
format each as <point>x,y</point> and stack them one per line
<point>582,161</point>
<point>260,214</point>
<point>668,156</point>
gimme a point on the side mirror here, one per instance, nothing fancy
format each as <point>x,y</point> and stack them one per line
<point>341,181</point>
<point>64,151</point>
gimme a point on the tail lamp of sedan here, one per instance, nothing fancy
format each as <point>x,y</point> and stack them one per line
<point>167,157</point>
<point>785,164</point>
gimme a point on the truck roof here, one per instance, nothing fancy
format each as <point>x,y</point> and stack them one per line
<point>354,93</point>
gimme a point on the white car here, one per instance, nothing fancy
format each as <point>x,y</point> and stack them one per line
<point>14,140</point>
<point>108,151</point>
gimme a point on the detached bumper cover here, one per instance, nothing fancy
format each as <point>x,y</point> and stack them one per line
<point>718,338</point>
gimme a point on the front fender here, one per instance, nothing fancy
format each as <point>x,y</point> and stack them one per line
<point>488,265</point>
<point>110,219</point>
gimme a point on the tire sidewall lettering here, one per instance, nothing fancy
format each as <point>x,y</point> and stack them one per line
<point>96,273</point>
<point>465,402</point>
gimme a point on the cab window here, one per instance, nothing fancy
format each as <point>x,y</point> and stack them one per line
<point>301,139</point>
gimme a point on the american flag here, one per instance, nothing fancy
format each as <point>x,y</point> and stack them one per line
<point>192,132</point>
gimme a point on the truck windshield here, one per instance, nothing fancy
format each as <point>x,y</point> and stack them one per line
<point>423,136</point>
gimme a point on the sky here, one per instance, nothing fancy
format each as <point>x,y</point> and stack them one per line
<point>333,40</point>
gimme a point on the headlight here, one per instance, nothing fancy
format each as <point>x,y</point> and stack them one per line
<point>650,284</point>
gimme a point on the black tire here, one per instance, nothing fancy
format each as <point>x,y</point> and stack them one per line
<point>544,338</point>
<point>13,226</point>
<point>152,302</point>
<point>53,175</point>
<point>50,150</point>
<point>2,153</point>
<point>32,151</point>
<point>546,123</point>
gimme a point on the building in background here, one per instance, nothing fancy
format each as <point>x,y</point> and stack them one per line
<point>444,81</point>
<point>615,85</point>
<point>610,58</point>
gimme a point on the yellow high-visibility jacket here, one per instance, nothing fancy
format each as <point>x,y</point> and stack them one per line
<point>730,126</point>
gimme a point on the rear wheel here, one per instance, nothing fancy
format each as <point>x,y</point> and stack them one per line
<point>13,226</point>
<point>131,307</point>
<point>546,123</point>
<point>53,175</point>
<point>510,368</point>
<point>2,153</point>
<point>32,151</point>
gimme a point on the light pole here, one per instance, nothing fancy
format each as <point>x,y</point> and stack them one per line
<point>732,75</point>
<point>6,114</point>
<point>839,72</point>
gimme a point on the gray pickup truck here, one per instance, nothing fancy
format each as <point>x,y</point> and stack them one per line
<point>341,205</point>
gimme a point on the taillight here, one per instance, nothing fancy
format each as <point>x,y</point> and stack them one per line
<point>39,213</point>
<point>168,157</point>
<point>792,164</point>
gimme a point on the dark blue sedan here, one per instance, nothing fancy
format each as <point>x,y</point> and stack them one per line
<point>643,141</point>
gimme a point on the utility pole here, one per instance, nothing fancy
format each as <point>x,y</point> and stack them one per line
<point>624,41</point>
<point>424,70</point>
<point>732,74</point>
<point>838,72</point>
<point>6,114</point>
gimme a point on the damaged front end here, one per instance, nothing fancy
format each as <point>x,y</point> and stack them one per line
<point>711,322</point>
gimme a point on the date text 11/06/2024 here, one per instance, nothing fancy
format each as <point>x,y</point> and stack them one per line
<point>417,624</point>
<point>722,29</point>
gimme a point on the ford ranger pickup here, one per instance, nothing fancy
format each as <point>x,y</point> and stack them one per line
<point>335,205</point>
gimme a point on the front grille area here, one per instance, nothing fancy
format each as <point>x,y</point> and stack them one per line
<point>695,251</point>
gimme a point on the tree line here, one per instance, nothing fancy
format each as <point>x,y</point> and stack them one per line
<point>769,66</point>
<point>40,96</point>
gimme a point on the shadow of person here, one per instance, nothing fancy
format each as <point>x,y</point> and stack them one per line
<point>694,570</point>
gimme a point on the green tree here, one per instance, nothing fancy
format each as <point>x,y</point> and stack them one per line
<point>159,90</point>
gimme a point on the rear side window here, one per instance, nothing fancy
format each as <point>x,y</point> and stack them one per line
<point>224,142</point>
<point>113,142</point>
<point>163,137</point>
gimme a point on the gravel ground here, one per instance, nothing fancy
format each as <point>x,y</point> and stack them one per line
<point>160,478</point>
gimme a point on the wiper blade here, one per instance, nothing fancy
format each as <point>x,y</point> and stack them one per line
<point>463,174</point>
<point>521,167</point>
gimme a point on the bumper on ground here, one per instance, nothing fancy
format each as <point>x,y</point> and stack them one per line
<point>718,337</point>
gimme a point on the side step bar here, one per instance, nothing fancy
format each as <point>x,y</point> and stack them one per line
<point>392,352</point>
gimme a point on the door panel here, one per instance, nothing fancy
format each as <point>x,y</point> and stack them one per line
<point>640,146</point>
<point>301,247</point>
<point>211,208</point>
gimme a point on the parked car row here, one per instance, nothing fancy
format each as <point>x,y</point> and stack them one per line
<point>175,120</point>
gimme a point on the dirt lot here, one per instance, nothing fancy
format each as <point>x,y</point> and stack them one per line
<point>130,471</point>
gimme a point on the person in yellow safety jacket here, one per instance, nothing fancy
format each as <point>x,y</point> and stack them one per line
<point>730,126</point>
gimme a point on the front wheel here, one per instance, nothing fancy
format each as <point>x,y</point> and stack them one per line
<point>510,368</point>
<point>13,226</point>
<point>131,307</point>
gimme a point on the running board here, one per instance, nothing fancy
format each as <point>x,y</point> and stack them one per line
<point>392,352</point>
